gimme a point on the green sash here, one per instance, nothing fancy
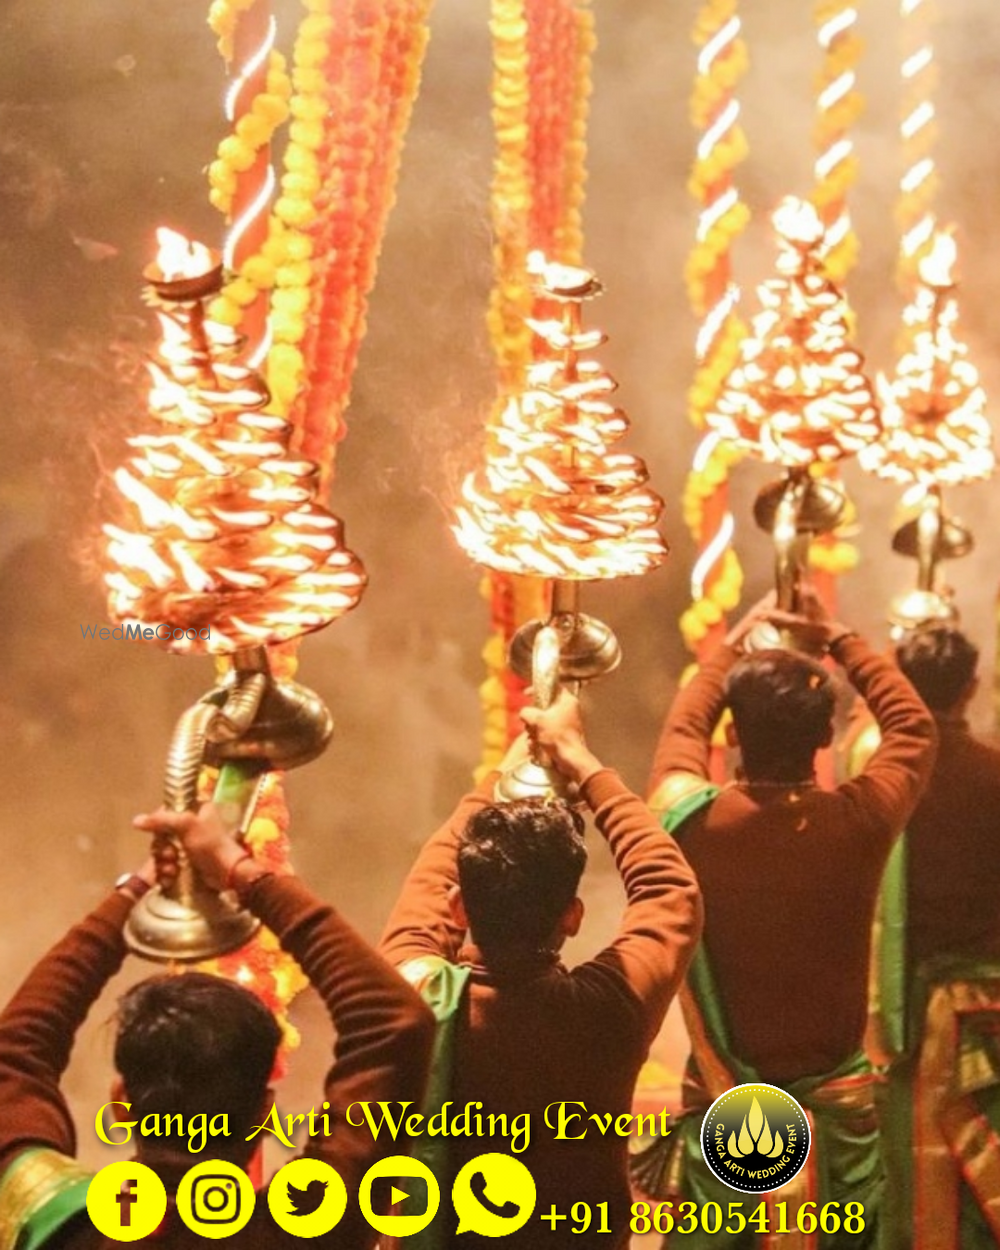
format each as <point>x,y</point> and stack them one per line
<point>40,1191</point>
<point>844,1163</point>
<point>441,985</point>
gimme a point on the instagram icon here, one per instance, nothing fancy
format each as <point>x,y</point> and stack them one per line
<point>215,1198</point>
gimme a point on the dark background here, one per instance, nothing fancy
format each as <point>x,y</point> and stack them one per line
<point>109,113</point>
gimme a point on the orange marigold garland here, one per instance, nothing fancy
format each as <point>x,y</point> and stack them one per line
<point>404,34</point>
<point>542,52</point>
<point>355,76</point>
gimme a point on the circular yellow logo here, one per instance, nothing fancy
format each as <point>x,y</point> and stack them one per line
<point>307,1197</point>
<point>215,1199</point>
<point>126,1201</point>
<point>494,1194</point>
<point>755,1138</point>
<point>404,1186</point>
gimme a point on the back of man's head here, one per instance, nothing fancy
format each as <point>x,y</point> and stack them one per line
<point>519,865</point>
<point>940,662</point>
<point>196,1044</point>
<point>782,705</point>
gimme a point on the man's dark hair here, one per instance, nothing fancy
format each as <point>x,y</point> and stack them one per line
<point>782,705</point>
<point>519,865</point>
<point>196,1043</point>
<point>940,662</point>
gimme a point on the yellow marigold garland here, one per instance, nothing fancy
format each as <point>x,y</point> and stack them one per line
<point>290,246</point>
<point>839,105</point>
<point>722,62</point>
<point>223,18</point>
<point>510,300</point>
<point>918,132</point>
<point>255,130</point>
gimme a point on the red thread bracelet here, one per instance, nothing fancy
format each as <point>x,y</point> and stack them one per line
<point>230,884</point>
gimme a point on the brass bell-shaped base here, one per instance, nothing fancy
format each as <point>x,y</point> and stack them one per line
<point>819,508</point>
<point>292,726</point>
<point>188,930</point>
<point>949,539</point>
<point>914,608</point>
<point>587,647</point>
<point>767,637</point>
<point>528,780</point>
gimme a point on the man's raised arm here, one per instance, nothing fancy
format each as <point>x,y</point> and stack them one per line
<point>685,743</point>
<point>662,922</point>
<point>421,923</point>
<point>38,1026</point>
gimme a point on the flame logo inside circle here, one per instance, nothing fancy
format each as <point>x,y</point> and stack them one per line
<point>755,1135</point>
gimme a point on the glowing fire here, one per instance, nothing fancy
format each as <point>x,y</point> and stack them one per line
<point>219,525</point>
<point>553,499</point>
<point>934,408</point>
<point>178,257</point>
<point>936,268</point>
<point>799,393</point>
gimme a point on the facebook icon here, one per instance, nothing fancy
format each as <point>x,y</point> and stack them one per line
<point>126,1199</point>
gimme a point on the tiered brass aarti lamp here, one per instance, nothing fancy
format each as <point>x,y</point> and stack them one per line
<point>553,499</point>
<point>222,548</point>
<point>936,434</point>
<point>798,397</point>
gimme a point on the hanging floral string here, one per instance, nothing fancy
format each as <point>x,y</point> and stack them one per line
<point>839,104</point>
<point>542,54</point>
<point>356,70</point>
<point>241,178</point>
<point>917,133</point>
<point>716,579</point>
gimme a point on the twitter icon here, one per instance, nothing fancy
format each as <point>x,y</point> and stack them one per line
<point>307,1198</point>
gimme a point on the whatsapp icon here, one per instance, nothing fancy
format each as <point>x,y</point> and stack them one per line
<point>493,1195</point>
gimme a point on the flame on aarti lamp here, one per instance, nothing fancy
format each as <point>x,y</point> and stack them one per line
<point>552,499</point>
<point>180,257</point>
<point>799,394</point>
<point>936,268</point>
<point>935,426</point>
<point>219,526</point>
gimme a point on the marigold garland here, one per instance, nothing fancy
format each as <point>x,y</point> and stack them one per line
<point>241,178</point>
<point>353,83</point>
<point>918,132</point>
<point>223,18</point>
<point>238,181</point>
<point>375,148</point>
<point>542,53</point>
<point>839,105</point>
<point>717,578</point>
